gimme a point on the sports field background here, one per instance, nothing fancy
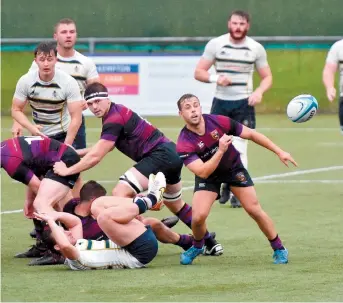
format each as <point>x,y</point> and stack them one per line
<point>294,72</point>
<point>306,207</point>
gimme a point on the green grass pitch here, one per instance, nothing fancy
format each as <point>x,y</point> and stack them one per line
<point>306,208</point>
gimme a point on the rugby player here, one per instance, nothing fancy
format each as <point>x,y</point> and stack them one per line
<point>81,208</point>
<point>53,95</point>
<point>143,143</point>
<point>205,146</point>
<point>131,244</point>
<point>334,61</point>
<point>29,160</point>
<point>80,67</point>
<point>234,56</point>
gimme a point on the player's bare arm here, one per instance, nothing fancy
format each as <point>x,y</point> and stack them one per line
<point>75,111</point>
<point>201,73</point>
<point>205,169</point>
<point>265,74</point>
<point>74,226</point>
<point>18,115</point>
<point>329,80</point>
<point>260,139</point>
<point>93,157</point>
<point>17,129</point>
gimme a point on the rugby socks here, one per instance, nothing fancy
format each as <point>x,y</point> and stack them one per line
<point>199,243</point>
<point>185,215</point>
<point>39,227</point>
<point>185,241</point>
<point>276,243</point>
<point>145,203</point>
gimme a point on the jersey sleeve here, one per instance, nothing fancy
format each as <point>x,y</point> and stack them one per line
<point>230,126</point>
<point>332,56</point>
<point>92,71</point>
<point>210,51</point>
<point>186,151</point>
<point>21,90</point>
<point>73,91</point>
<point>261,57</point>
<point>33,67</point>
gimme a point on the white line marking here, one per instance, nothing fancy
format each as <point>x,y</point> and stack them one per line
<point>11,211</point>
<point>299,172</point>
<point>278,129</point>
<point>256,180</point>
<point>330,143</point>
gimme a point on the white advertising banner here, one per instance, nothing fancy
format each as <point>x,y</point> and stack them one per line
<point>151,85</point>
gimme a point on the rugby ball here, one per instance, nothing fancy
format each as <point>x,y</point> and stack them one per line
<point>302,108</point>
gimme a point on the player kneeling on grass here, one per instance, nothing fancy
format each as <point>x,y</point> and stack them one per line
<point>131,244</point>
<point>205,146</point>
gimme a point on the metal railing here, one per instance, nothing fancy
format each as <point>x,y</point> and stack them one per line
<point>92,41</point>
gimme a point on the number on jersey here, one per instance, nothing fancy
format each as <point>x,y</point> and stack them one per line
<point>29,139</point>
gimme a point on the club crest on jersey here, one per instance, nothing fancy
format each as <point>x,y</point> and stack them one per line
<point>241,177</point>
<point>54,94</point>
<point>201,144</point>
<point>76,68</point>
<point>215,134</point>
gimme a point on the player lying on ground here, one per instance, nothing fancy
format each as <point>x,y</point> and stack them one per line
<point>205,146</point>
<point>81,208</point>
<point>132,245</point>
<point>143,143</point>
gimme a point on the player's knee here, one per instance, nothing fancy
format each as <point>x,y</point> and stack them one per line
<point>103,218</point>
<point>199,218</point>
<point>123,191</point>
<point>155,224</point>
<point>253,208</point>
<point>96,207</point>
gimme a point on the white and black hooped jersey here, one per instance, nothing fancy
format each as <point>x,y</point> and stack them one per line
<point>103,254</point>
<point>237,61</point>
<point>49,100</point>
<point>335,56</point>
<point>80,67</point>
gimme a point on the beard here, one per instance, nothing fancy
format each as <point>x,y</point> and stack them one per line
<point>238,35</point>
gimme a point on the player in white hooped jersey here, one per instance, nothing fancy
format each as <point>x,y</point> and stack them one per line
<point>334,61</point>
<point>235,56</point>
<point>80,67</point>
<point>131,244</point>
<point>53,96</point>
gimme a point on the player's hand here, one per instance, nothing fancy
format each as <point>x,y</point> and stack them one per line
<point>36,131</point>
<point>28,210</point>
<point>331,93</point>
<point>60,168</point>
<point>43,216</point>
<point>286,157</point>
<point>17,129</point>
<point>224,80</point>
<point>224,142</point>
<point>255,98</point>
<point>84,105</point>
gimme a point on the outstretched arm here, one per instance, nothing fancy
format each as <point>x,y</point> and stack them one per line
<point>92,158</point>
<point>260,139</point>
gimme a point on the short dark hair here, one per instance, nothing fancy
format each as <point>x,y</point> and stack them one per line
<point>183,98</point>
<point>92,190</point>
<point>94,88</point>
<point>64,21</point>
<point>46,48</point>
<point>245,15</point>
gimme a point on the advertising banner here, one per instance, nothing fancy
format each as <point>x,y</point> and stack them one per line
<point>151,85</point>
